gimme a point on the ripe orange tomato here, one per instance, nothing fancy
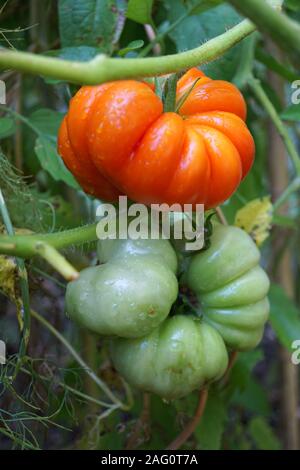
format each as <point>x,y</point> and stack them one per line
<point>116,139</point>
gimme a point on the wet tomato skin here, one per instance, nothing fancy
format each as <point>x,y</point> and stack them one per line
<point>128,295</point>
<point>116,139</point>
<point>231,287</point>
<point>180,356</point>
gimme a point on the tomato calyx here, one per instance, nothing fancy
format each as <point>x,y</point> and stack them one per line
<point>185,96</point>
<point>169,98</point>
<point>166,90</point>
<point>186,303</point>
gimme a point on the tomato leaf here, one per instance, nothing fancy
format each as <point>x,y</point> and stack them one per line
<point>132,46</point>
<point>256,218</point>
<point>140,11</point>
<point>292,5</point>
<point>97,23</point>
<point>46,121</point>
<point>204,5</point>
<point>285,317</point>
<point>210,430</point>
<point>78,53</point>
<point>7,127</point>
<point>263,435</point>
<point>198,28</point>
<point>49,159</point>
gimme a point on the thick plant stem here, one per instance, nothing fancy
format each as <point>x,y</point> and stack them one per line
<point>284,31</point>
<point>25,246</point>
<point>102,68</point>
<point>190,428</point>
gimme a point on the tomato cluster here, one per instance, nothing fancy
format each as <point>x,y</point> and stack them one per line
<point>129,297</point>
<point>116,139</point>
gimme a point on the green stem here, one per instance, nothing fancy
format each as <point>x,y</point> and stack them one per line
<point>284,31</point>
<point>79,360</point>
<point>260,94</point>
<point>25,246</point>
<point>56,260</point>
<point>102,68</point>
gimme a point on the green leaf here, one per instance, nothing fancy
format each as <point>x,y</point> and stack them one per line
<point>197,29</point>
<point>210,430</point>
<point>204,5</point>
<point>292,113</point>
<point>7,127</point>
<point>293,5</point>
<point>46,121</point>
<point>132,46</point>
<point>97,23</point>
<point>50,161</point>
<point>241,372</point>
<point>263,435</point>
<point>285,317</point>
<point>78,53</point>
<point>253,398</point>
<point>140,11</point>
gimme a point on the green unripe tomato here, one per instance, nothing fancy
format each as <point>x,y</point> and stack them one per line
<point>231,287</point>
<point>128,298</point>
<point>179,356</point>
<point>109,250</point>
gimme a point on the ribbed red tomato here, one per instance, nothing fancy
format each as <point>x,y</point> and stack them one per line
<point>116,139</point>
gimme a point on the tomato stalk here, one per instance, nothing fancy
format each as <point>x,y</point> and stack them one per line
<point>103,69</point>
<point>169,98</point>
